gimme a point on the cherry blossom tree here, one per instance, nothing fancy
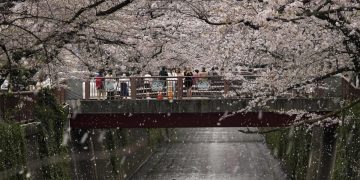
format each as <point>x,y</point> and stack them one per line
<point>299,42</point>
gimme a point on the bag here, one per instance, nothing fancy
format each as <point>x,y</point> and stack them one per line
<point>109,85</point>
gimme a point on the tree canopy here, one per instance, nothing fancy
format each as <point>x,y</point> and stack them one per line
<point>302,40</point>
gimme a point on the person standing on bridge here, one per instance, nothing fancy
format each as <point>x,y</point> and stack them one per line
<point>203,74</point>
<point>147,81</point>
<point>196,77</point>
<point>147,84</point>
<point>164,73</point>
<point>171,87</point>
<point>110,85</point>
<point>124,84</point>
<point>188,81</point>
<point>99,82</point>
<point>212,72</point>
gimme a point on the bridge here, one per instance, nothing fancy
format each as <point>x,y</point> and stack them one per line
<point>214,102</point>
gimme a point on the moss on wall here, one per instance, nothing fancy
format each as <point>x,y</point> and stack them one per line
<point>113,143</point>
<point>347,162</point>
<point>53,119</point>
<point>12,144</point>
<point>348,152</point>
<point>292,147</point>
<point>12,151</point>
<point>156,135</point>
<point>55,161</point>
<point>141,141</point>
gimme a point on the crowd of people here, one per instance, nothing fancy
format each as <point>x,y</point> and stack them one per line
<point>108,84</point>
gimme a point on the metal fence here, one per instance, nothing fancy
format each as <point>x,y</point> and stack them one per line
<point>154,87</point>
<point>182,87</point>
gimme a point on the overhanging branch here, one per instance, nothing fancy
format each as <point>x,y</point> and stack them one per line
<point>114,8</point>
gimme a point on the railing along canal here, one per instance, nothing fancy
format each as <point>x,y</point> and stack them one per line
<point>161,87</point>
<point>155,86</point>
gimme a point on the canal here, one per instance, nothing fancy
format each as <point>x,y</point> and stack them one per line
<point>211,153</point>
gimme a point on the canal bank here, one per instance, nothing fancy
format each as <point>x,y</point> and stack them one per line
<point>87,154</point>
<point>320,152</point>
<point>46,148</point>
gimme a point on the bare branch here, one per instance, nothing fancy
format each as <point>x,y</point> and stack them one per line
<point>114,8</point>
<point>82,10</point>
<point>248,131</point>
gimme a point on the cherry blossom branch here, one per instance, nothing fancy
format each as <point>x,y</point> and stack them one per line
<point>201,14</point>
<point>248,131</point>
<point>319,78</point>
<point>305,121</point>
<point>329,115</point>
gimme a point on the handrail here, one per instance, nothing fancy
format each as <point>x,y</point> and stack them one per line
<point>219,87</point>
<point>127,77</point>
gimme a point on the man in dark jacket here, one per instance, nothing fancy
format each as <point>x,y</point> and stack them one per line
<point>163,72</point>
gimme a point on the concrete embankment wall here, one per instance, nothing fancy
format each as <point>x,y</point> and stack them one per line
<point>47,148</point>
<point>86,154</point>
<point>313,154</point>
<point>112,153</point>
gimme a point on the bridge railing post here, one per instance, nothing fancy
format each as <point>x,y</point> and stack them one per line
<point>133,87</point>
<point>87,89</point>
<point>179,91</point>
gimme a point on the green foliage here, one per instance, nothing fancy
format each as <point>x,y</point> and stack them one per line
<point>53,119</point>
<point>292,147</point>
<point>8,115</point>
<point>113,143</point>
<point>12,151</point>
<point>348,152</point>
<point>21,78</point>
<point>55,163</point>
